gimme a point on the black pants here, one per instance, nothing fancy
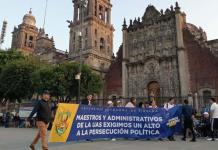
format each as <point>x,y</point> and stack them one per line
<point>171,137</point>
<point>206,130</point>
<point>214,127</point>
<point>188,124</point>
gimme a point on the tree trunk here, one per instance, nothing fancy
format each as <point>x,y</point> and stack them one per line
<point>6,105</point>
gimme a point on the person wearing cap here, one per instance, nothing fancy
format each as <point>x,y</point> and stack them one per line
<point>205,124</point>
<point>43,115</point>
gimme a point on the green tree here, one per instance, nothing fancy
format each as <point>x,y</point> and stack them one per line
<point>9,56</point>
<point>15,80</point>
<point>42,79</point>
<point>61,82</point>
<point>90,82</point>
<point>21,76</point>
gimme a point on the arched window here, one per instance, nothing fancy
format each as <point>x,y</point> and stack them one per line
<point>106,16</point>
<point>30,42</point>
<point>96,44</point>
<point>78,14</point>
<point>101,13</point>
<point>101,16</point>
<point>102,44</point>
<point>206,95</point>
<point>96,32</point>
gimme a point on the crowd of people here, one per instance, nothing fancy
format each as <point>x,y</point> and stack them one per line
<point>206,125</point>
<point>14,120</point>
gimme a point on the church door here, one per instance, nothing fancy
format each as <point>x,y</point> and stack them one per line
<point>154,90</point>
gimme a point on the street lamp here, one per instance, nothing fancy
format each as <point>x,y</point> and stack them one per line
<point>82,5</point>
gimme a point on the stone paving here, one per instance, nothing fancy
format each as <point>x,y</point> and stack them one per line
<point>19,139</point>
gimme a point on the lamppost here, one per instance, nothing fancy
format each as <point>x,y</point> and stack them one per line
<point>82,6</point>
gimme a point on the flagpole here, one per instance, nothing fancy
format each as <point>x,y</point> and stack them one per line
<point>45,14</point>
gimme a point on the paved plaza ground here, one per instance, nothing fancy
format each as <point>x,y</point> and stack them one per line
<point>19,139</point>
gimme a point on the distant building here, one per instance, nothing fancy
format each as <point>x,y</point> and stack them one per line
<point>24,37</point>
<point>30,40</point>
<point>213,45</point>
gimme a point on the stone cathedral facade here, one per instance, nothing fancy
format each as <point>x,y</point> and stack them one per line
<point>96,47</point>
<point>164,56</point>
<point>154,58</point>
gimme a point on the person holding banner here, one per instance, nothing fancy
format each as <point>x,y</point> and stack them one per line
<point>188,115</point>
<point>131,103</point>
<point>88,100</point>
<point>110,104</point>
<point>170,104</point>
<point>43,111</point>
<point>153,104</point>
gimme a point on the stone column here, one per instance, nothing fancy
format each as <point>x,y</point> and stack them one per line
<point>75,12</point>
<point>196,102</point>
<point>124,68</point>
<point>71,41</point>
<point>91,7</point>
<point>182,55</point>
<point>109,16</point>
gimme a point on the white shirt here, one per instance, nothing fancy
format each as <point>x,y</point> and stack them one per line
<point>90,104</point>
<point>168,106</point>
<point>214,109</point>
<point>152,107</point>
<point>130,105</point>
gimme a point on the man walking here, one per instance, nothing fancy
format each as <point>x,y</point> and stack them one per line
<point>43,111</point>
<point>188,115</point>
<point>214,117</point>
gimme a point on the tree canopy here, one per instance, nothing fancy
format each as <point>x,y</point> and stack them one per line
<point>22,76</point>
<point>15,80</point>
<point>60,80</point>
<point>8,56</point>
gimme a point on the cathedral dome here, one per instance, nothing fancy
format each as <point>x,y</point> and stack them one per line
<point>29,19</point>
<point>199,33</point>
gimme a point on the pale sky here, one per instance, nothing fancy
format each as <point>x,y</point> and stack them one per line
<point>202,13</point>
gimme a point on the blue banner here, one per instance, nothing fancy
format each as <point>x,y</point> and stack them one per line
<point>118,122</point>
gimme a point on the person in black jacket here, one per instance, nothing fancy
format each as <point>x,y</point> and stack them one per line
<point>188,114</point>
<point>43,111</point>
<point>88,100</point>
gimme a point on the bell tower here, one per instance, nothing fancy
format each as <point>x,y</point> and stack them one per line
<point>91,34</point>
<point>24,36</point>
